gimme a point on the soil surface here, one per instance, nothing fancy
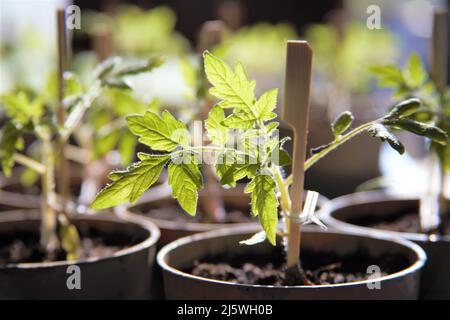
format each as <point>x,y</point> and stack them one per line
<point>319,268</point>
<point>22,247</point>
<point>406,221</point>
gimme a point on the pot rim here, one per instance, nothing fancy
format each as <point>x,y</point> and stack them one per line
<point>30,215</point>
<point>364,197</point>
<point>164,251</point>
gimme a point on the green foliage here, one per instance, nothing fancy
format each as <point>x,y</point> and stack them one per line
<point>216,130</point>
<point>70,240</point>
<point>261,47</point>
<point>163,133</point>
<point>431,117</point>
<point>20,109</point>
<point>185,179</point>
<point>35,115</point>
<point>342,123</point>
<point>344,58</point>
<point>131,183</point>
<point>140,32</point>
<point>265,203</point>
<point>380,131</point>
<point>237,153</point>
<point>10,141</point>
<point>244,145</point>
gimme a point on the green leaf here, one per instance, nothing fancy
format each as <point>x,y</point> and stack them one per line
<point>240,120</point>
<point>185,179</point>
<point>21,109</point>
<point>444,155</point>
<point>405,108</point>
<point>380,131</point>
<point>139,66</point>
<point>130,184</point>
<point>266,104</point>
<point>342,123</point>
<point>72,85</point>
<point>434,133</point>
<point>233,88</point>
<point>276,153</point>
<point>127,145</point>
<point>190,73</point>
<point>389,76</point>
<point>217,132</point>
<point>265,204</point>
<point>414,74</point>
<point>236,172</point>
<point>29,177</point>
<point>70,240</point>
<point>10,141</point>
<point>160,133</point>
<point>116,83</point>
<point>104,68</point>
<point>106,142</point>
<point>123,102</point>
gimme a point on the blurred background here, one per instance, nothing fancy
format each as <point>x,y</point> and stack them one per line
<point>255,34</point>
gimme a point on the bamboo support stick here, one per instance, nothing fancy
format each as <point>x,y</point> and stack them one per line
<point>210,35</point>
<point>102,43</point>
<point>439,74</point>
<point>63,168</point>
<point>296,114</point>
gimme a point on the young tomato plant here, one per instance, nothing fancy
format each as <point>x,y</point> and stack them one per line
<point>245,144</point>
<point>33,115</point>
<point>414,81</point>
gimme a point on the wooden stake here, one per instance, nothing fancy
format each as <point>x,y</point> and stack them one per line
<point>296,114</point>
<point>63,169</point>
<point>439,74</point>
<point>440,38</point>
<point>210,35</point>
<point>62,60</point>
<point>102,43</point>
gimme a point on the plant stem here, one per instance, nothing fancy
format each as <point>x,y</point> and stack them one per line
<point>334,145</point>
<point>49,240</point>
<point>29,162</point>
<point>443,202</point>
<point>284,193</point>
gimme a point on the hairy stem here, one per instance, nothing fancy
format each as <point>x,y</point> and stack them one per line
<point>443,202</point>
<point>334,145</point>
<point>49,240</point>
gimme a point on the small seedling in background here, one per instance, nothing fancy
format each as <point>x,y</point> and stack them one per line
<point>30,114</point>
<point>413,81</point>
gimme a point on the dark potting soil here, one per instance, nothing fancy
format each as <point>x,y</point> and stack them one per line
<point>404,221</point>
<point>319,268</point>
<point>23,246</point>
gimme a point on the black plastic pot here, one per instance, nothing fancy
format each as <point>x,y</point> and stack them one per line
<point>181,254</point>
<point>377,206</point>
<point>28,197</point>
<point>124,275</point>
<point>160,196</point>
